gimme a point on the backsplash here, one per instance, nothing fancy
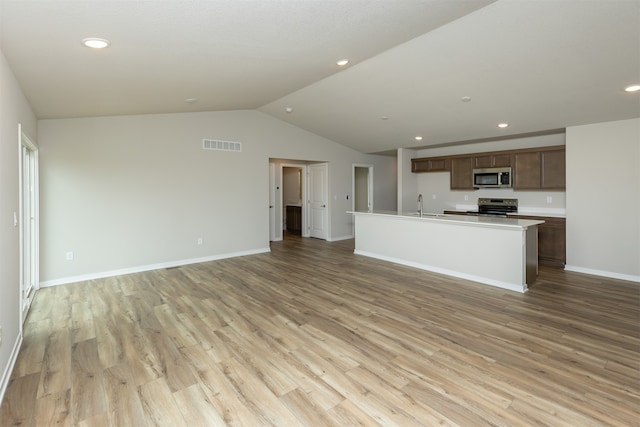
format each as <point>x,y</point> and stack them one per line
<point>434,187</point>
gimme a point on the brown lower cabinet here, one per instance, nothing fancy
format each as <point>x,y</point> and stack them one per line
<point>294,219</point>
<point>552,238</point>
<point>552,249</point>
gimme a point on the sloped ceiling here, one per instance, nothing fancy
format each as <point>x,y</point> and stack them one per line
<point>537,65</point>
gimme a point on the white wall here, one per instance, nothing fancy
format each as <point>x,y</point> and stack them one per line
<point>14,109</point>
<point>385,182</point>
<point>134,191</point>
<point>291,186</point>
<point>603,199</point>
<point>407,181</point>
<point>438,196</point>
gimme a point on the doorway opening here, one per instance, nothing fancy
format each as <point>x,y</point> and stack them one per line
<point>292,199</point>
<point>28,218</point>
<point>362,187</point>
<point>298,199</point>
<point>287,195</point>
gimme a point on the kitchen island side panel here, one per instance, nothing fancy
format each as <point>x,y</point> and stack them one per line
<point>494,256</point>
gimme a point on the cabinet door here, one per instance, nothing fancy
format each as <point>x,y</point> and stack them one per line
<point>461,173</point>
<point>492,161</point>
<point>482,161</point>
<point>501,160</point>
<point>438,165</point>
<point>294,219</point>
<point>553,169</point>
<point>552,241</point>
<point>526,171</point>
<point>430,165</point>
<point>419,165</point>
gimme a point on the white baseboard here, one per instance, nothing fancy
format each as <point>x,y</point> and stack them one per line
<point>8,370</point>
<point>602,273</point>
<point>499,284</point>
<point>139,269</point>
<point>336,239</point>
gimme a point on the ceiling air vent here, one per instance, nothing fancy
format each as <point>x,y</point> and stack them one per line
<point>214,144</point>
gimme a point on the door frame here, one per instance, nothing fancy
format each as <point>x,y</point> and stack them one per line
<point>29,238</point>
<point>327,216</point>
<point>369,185</point>
<point>280,200</point>
<point>272,202</point>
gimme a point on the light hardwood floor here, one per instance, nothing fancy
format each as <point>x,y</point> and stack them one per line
<point>313,335</point>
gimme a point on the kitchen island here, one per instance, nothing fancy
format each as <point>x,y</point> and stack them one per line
<point>500,252</point>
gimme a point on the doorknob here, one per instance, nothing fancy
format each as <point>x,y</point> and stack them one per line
<point>323,206</point>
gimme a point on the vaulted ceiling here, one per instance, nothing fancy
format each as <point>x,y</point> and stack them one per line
<point>537,65</point>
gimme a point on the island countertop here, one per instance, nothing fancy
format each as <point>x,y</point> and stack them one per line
<point>470,220</point>
<point>495,251</point>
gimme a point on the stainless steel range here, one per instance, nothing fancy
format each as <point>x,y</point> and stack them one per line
<point>495,207</point>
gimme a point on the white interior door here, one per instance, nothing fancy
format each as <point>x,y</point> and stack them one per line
<point>272,202</point>
<point>318,201</point>
<point>29,239</point>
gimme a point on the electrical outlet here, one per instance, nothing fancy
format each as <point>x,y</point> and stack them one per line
<point>549,199</point>
<point>433,196</point>
<point>199,240</point>
<point>466,197</point>
<point>69,256</point>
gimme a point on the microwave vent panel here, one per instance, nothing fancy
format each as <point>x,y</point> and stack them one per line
<point>216,144</point>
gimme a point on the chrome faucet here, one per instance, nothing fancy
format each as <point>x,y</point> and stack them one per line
<point>420,205</point>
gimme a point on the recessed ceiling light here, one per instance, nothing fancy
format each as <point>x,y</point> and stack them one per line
<point>632,88</point>
<point>191,100</point>
<point>465,99</point>
<point>342,62</point>
<point>288,109</point>
<point>95,43</point>
<point>418,138</point>
<point>384,118</point>
<point>503,125</point>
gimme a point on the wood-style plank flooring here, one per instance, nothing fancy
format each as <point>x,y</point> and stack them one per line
<point>311,334</point>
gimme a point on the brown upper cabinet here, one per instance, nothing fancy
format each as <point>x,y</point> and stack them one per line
<point>554,169</point>
<point>461,173</point>
<point>432,164</point>
<point>543,169</point>
<point>532,168</point>
<point>526,171</point>
<point>492,161</point>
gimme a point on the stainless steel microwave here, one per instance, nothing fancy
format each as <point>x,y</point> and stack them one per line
<point>492,178</point>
